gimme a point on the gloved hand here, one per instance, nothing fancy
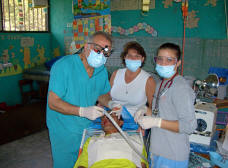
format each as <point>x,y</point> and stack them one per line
<point>115,107</point>
<point>91,112</point>
<point>140,112</point>
<point>149,122</point>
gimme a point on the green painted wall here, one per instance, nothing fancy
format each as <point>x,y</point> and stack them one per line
<point>206,44</point>
<point>9,88</point>
<point>169,23</point>
<point>166,21</point>
<point>61,14</point>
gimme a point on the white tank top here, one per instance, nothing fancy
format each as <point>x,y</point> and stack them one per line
<point>131,95</point>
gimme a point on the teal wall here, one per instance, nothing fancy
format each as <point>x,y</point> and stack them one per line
<point>61,14</point>
<point>9,88</point>
<point>206,44</point>
<point>168,22</point>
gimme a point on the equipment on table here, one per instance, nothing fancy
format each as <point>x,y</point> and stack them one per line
<point>206,117</point>
<point>207,88</point>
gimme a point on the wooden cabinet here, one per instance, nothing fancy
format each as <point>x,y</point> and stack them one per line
<point>22,121</point>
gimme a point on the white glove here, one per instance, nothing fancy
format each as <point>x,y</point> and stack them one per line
<point>118,108</point>
<point>149,122</point>
<point>91,112</point>
<point>140,112</point>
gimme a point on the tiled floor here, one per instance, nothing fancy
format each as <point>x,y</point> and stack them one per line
<point>29,152</point>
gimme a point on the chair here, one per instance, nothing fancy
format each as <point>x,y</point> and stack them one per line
<point>27,91</point>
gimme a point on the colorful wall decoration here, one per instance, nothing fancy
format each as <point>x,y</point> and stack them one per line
<point>167,19</point>
<point>211,2</point>
<point>140,26</point>
<point>6,66</point>
<point>129,5</point>
<point>88,8</point>
<point>19,53</point>
<point>167,3</point>
<point>84,27</point>
<point>192,21</point>
<point>56,52</point>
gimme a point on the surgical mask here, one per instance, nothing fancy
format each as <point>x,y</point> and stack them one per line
<point>96,60</point>
<point>165,71</point>
<point>133,65</point>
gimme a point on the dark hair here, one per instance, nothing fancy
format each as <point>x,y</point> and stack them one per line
<point>104,34</point>
<point>171,46</point>
<point>133,45</point>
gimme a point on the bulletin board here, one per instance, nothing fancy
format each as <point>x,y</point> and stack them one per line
<point>88,8</point>
<point>84,27</point>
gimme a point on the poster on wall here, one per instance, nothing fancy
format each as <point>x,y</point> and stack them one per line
<point>88,8</point>
<point>84,27</point>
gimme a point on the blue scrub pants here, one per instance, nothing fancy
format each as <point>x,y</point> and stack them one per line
<point>64,149</point>
<point>161,162</point>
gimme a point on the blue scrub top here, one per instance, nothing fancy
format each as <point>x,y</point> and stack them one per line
<point>70,81</point>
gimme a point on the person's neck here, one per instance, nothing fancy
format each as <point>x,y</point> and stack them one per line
<point>129,75</point>
<point>111,132</point>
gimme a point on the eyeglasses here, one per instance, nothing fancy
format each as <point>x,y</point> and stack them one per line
<point>166,60</point>
<point>98,49</point>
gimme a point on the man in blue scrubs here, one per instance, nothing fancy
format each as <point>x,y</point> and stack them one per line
<point>76,83</point>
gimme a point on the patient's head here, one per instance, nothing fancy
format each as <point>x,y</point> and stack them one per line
<point>107,124</point>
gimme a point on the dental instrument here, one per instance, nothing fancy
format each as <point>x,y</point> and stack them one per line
<point>125,136</point>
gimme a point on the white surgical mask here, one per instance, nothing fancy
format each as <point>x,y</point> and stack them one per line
<point>165,71</point>
<point>96,60</point>
<point>133,65</point>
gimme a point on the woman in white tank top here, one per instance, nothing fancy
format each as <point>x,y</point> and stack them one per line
<point>132,87</point>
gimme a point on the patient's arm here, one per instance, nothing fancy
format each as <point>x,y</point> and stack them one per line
<point>143,165</point>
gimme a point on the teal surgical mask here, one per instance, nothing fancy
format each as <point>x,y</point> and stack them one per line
<point>165,71</point>
<point>96,60</point>
<point>133,65</point>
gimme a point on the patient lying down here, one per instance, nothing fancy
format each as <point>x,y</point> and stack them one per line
<point>111,150</point>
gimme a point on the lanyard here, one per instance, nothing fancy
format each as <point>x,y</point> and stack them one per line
<point>160,93</point>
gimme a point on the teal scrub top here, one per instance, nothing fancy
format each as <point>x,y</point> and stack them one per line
<point>70,81</point>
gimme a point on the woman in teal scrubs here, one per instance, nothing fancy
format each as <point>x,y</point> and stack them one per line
<point>76,83</point>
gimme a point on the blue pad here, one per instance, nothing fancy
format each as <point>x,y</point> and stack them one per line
<point>129,122</point>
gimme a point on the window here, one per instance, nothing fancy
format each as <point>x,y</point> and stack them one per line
<point>24,15</point>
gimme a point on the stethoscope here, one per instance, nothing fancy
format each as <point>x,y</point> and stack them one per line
<point>161,93</point>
